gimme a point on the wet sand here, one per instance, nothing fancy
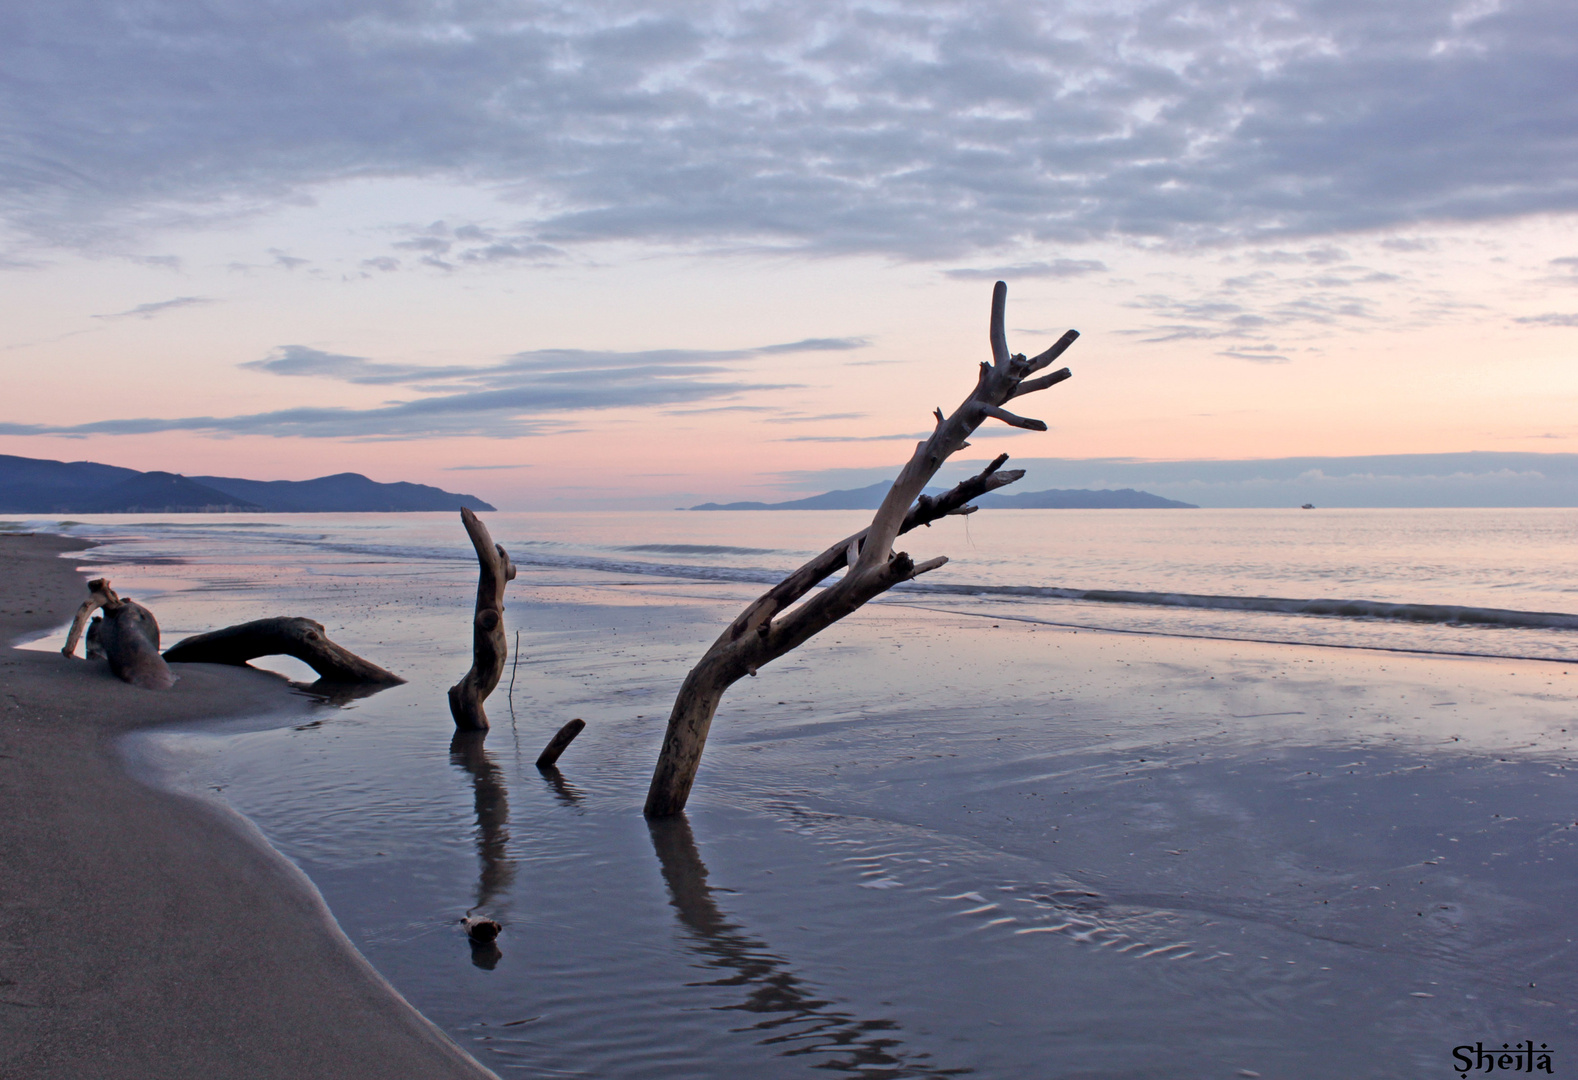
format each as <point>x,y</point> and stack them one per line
<point>144,934</point>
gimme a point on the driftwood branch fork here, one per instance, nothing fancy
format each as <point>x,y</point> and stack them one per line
<point>768,628</point>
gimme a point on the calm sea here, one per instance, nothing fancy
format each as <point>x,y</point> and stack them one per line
<point>958,834</point>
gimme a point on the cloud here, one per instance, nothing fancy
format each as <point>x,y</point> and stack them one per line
<point>1551,318</point>
<point>911,129</point>
<point>1260,354</point>
<point>1058,268</point>
<point>911,436</point>
<point>525,394</point>
<point>148,311</point>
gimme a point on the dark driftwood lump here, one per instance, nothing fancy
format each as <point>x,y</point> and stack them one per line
<point>559,743</point>
<point>489,647</point>
<point>767,629</point>
<point>302,638</point>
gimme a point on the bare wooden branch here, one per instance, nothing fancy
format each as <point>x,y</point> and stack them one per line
<point>559,743</point>
<point>489,646</point>
<point>99,595</point>
<point>1014,421</point>
<point>127,635</point>
<point>1043,382</point>
<point>302,638</point>
<point>1059,347</point>
<point>767,628</point>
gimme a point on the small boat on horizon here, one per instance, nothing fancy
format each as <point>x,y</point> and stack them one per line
<point>1307,506</point>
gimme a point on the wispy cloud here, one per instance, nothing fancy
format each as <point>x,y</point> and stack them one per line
<point>1551,318</point>
<point>528,393</point>
<point>912,129</point>
<point>148,311</point>
<point>910,436</point>
<point>1058,268</point>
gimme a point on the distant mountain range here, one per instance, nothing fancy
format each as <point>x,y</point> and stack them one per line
<point>37,486</point>
<point>869,498</point>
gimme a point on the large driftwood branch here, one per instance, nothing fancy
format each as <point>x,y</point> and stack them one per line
<point>298,637</point>
<point>768,629</point>
<point>489,647</point>
<point>127,633</point>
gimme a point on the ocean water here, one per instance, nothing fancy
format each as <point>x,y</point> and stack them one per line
<point>1114,793</point>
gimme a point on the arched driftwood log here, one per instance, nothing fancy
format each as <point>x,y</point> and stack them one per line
<point>766,630</point>
<point>489,647</point>
<point>298,637</point>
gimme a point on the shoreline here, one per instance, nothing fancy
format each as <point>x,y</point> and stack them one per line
<point>149,933</point>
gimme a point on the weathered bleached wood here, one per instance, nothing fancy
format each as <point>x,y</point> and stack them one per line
<point>302,638</point>
<point>99,594</point>
<point>559,743</point>
<point>767,629</point>
<point>489,646</point>
<point>127,635</point>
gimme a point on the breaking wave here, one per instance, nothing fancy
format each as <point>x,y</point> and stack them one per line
<point>1447,614</point>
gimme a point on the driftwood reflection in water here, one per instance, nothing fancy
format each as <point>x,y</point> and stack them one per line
<point>792,1015</point>
<point>563,790</point>
<point>493,814</point>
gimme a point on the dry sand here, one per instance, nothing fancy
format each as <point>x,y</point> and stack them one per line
<point>148,935</point>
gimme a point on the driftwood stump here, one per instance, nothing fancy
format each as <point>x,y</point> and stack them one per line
<point>560,743</point>
<point>489,647</point>
<point>298,637</point>
<point>127,634</point>
<point>766,630</point>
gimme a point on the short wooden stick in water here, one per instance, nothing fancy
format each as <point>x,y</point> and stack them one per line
<point>481,929</point>
<point>559,743</point>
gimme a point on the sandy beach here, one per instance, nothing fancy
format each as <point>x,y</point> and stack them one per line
<point>150,935</point>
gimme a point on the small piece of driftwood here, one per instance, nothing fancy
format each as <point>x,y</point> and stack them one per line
<point>283,636</point>
<point>559,743</point>
<point>127,634</point>
<point>99,594</point>
<point>769,628</point>
<point>489,646</point>
<point>481,929</point>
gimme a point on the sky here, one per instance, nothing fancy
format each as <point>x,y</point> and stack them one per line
<point>626,255</point>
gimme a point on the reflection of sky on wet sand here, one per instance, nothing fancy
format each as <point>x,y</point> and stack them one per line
<point>943,839</point>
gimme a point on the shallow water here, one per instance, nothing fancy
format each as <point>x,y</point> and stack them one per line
<point>931,842</point>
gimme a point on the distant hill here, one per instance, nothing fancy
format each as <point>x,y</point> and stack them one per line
<point>869,498</point>
<point>1055,499</point>
<point>343,492</point>
<point>37,486</point>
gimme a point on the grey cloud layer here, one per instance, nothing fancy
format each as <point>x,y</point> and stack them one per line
<point>927,130</point>
<point>525,394</point>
